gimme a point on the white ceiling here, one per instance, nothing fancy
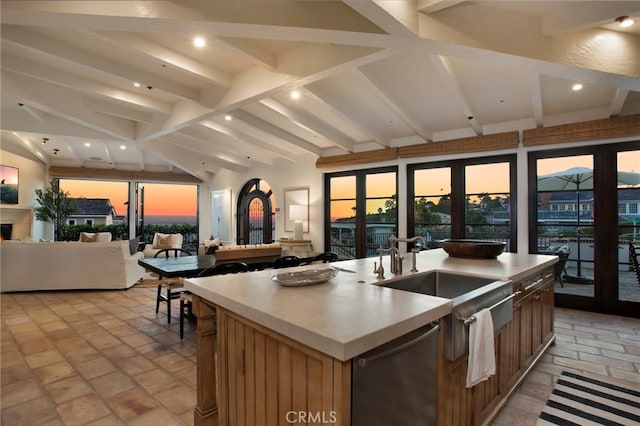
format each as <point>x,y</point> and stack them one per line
<point>371,74</point>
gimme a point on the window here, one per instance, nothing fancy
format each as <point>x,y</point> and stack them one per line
<point>361,211</point>
<point>88,222</point>
<point>469,198</point>
<point>622,208</point>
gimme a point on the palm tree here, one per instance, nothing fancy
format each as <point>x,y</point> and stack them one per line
<point>56,206</point>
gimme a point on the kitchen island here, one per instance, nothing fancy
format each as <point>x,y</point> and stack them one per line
<point>283,350</point>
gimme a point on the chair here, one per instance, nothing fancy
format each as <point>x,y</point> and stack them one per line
<point>633,259</point>
<point>186,299</point>
<point>325,257</point>
<point>174,287</point>
<point>224,268</point>
<point>286,262</point>
<point>560,267</point>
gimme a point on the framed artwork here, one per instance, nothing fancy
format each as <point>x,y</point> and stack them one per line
<point>296,207</point>
<point>221,215</point>
<point>9,185</point>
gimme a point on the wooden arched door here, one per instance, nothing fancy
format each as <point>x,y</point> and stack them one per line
<point>255,213</point>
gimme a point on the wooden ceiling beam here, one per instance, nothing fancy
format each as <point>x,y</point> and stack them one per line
<point>89,173</point>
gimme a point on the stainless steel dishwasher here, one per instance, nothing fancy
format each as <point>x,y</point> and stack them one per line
<point>396,383</point>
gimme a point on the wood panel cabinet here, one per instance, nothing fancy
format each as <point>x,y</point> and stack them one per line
<point>518,344</point>
<point>267,379</point>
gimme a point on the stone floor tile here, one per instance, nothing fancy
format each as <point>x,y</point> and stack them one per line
<point>53,372</point>
<point>34,412</point>
<point>68,389</point>
<point>136,364</point>
<point>82,410</point>
<point>15,373</point>
<point>112,384</point>
<point>132,404</point>
<point>119,351</point>
<point>177,399</point>
<point>159,416</point>
<point>95,368</point>
<point>19,392</point>
<point>173,362</point>
<point>137,340</point>
<point>82,354</point>
<point>107,421</point>
<point>154,381</point>
<point>40,359</point>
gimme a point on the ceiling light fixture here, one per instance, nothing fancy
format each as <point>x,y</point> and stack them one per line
<point>295,95</point>
<point>44,140</point>
<point>624,21</point>
<point>87,144</point>
<point>136,84</point>
<point>199,42</point>
<point>123,147</point>
<point>228,117</point>
<point>576,87</point>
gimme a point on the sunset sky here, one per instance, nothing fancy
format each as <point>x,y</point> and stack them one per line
<point>159,199</point>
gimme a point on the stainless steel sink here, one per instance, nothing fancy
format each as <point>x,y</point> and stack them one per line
<point>469,295</point>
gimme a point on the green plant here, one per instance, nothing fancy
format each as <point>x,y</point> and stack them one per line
<point>56,206</point>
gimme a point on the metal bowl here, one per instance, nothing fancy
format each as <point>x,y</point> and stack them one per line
<point>473,249</point>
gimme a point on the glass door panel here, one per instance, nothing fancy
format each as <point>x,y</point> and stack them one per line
<point>382,211</point>
<point>628,191</point>
<point>432,205</point>
<point>342,216</point>
<point>487,195</point>
<point>565,219</point>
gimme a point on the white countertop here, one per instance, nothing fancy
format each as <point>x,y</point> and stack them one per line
<point>347,316</point>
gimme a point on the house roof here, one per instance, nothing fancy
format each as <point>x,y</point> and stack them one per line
<point>93,207</point>
<point>370,75</point>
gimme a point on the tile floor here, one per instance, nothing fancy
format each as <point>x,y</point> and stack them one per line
<point>105,358</point>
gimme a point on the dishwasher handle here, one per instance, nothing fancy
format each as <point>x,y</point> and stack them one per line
<point>363,361</point>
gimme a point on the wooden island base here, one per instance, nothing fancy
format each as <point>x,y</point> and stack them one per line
<point>250,374</point>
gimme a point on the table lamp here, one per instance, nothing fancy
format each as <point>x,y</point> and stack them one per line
<point>297,213</point>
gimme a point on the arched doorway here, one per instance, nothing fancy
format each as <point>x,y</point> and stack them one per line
<point>255,213</point>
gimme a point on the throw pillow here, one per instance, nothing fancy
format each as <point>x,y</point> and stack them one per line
<point>88,238</point>
<point>133,245</point>
<point>164,242</point>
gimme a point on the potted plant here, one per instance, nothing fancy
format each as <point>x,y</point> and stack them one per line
<point>56,206</point>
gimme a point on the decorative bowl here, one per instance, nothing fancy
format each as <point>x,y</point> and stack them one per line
<point>473,249</point>
<point>303,278</point>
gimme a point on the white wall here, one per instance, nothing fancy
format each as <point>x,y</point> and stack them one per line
<point>32,175</point>
<point>281,175</point>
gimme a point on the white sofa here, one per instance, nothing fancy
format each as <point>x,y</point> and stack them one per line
<point>30,266</point>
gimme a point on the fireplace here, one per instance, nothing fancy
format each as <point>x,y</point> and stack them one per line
<point>5,231</point>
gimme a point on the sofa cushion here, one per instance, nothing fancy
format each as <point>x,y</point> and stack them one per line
<point>94,237</point>
<point>164,241</point>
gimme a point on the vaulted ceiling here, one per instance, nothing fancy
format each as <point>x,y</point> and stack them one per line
<point>370,74</point>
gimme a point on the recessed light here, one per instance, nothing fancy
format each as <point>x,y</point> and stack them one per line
<point>228,117</point>
<point>87,144</point>
<point>576,87</point>
<point>625,21</point>
<point>123,147</point>
<point>295,94</point>
<point>136,84</point>
<point>199,42</point>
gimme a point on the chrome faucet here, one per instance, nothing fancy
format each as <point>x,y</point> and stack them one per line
<point>379,270</point>
<point>393,252</point>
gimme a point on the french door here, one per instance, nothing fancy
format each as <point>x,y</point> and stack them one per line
<point>360,211</point>
<point>584,206</point>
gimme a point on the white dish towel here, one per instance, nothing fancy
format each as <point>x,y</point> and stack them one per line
<point>482,357</point>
